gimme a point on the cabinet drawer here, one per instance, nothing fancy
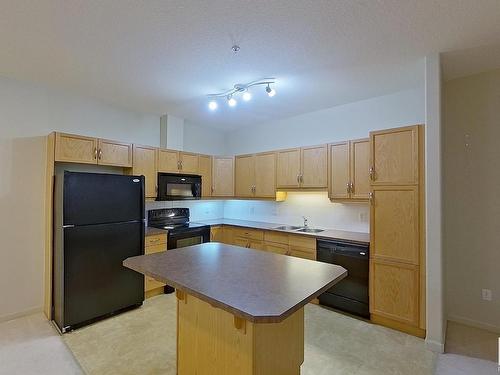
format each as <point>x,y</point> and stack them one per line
<point>256,245</point>
<point>253,234</point>
<point>302,241</point>
<point>240,241</point>
<point>276,248</point>
<point>150,283</point>
<point>155,248</point>
<point>156,239</point>
<point>277,237</point>
<point>302,252</point>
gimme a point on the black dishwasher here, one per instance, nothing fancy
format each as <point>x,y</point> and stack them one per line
<point>350,294</point>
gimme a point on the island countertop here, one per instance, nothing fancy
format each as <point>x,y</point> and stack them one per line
<point>258,286</point>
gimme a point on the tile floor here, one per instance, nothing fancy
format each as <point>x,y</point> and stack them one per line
<point>335,344</point>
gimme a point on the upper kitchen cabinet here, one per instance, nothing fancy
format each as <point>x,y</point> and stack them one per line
<point>171,161</point>
<point>305,167</point>
<point>395,156</point>
<point>87,150</point>
<point>205,171</point>
<point>349,166</point>
<point>255,175</point>
<point>223,176</point>
<point>145,163</point>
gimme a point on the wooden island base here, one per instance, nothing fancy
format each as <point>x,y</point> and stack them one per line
<point>213,341</point>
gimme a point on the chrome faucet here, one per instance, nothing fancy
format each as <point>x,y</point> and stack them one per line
<point>305,222</point>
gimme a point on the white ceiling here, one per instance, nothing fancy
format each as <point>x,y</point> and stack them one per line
<point>165,56</point>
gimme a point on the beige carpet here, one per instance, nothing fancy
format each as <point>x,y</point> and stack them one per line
<point>143,342</point>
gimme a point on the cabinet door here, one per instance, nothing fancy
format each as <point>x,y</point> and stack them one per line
<point>339,170</point>
<point>244,175</point>
<point>75,149</point>
<point>314,167</point>
<point>360,166</point>
<point>256,245</point>
<point>242,242</point>
<point>302,252</point>
<point>277,248</point>
<point>223,176</point>
<point>394,291</point>
<point>144,163</point>
<point>394,156</point>
<point>189,163</point>
<point>205,170</point>
<point>265,175</point>
<point>168,161</point>
<point>216,234</point>
<point>395,223</point>
<point>114,153</point>
<point>288,168</point>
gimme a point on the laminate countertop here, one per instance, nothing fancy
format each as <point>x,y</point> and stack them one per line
<point>258,286</point>
<point>327,234</point>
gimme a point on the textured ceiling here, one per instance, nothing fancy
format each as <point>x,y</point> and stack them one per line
<point>165,56</point>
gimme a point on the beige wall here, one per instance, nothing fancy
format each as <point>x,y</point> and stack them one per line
<point>471,161</point>
<point>27,113</point>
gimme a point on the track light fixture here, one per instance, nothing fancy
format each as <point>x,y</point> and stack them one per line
<point>240,88</point>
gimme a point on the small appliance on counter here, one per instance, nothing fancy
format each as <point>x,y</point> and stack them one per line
<point>351,293</point>
<point>175,187</point>
<point>181,232</point>
<point>98,223</point>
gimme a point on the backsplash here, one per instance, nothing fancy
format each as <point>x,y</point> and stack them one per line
<point>316,206</point>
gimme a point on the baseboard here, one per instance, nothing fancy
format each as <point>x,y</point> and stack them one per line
<point>20,314</point>
<point>434,346</point>
<point>474,323</point>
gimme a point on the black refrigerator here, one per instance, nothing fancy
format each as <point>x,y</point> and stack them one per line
<point>98,223</point>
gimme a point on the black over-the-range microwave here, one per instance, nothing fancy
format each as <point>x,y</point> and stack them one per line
<point>174,187</point>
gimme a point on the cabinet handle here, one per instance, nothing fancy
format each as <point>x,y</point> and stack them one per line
<point>352,188</point>
<point>348,188</point>
<point>301,178</point>
<point>95,153</point>
<point>370,197</point>
<point>298,178</point>
<point>100,154</point>
<point>372,173</point>
<point>180,162</point>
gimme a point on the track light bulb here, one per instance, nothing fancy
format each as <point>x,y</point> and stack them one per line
<point>212,105</point>
<point>270,92</point>
<point>247,96</point>
<point>231,101</point>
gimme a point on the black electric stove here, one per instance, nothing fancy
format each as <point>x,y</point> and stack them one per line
<point>181,232</point>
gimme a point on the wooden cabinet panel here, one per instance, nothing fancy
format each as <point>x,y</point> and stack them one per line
<point>254,234</point>
<point>394,291</point>
<point>302,241</point>
<point>395,223</point>
<point>265,175</point>
<point>156,240</point>
<point>216,234</point>
<point>114,153</point>
<point>240,241</point>
<point>155,248</point>
<point>205,170</point>
<point>277,248</point>
<point>314,167</point>
<point>256,245</point>
<point>360,166</point>
<point>168,161</point>
<point>145,164</point>
<point>75,148</point>
<point>288,168</point>
<point>150,284</point>
<point>276,237</point>
<point>244,175</point>
<point>223,176</point>
<point>339,170</point>
<point>395,156</point>
<point>302,252</point>
<point>188,162</point>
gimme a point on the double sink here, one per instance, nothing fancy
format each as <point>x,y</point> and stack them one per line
<point>293,228</point>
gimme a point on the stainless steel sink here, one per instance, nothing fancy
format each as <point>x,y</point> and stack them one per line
<point>287,227</point>
<point>310,230</point>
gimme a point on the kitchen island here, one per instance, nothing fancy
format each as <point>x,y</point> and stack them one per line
<point>239,311</point>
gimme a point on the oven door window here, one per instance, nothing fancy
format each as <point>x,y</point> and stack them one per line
<point>180,190</point>
<point>190,241</point>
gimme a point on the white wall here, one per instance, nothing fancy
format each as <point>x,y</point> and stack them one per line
<point>29,112</point>
<point>198,210</point>
<point>205,140</point>
<point>472,198</point>
<point>349,121</point>
<point>436,324</point>
<point>320,212</point>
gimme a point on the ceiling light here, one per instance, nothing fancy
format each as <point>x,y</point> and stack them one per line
<point>271,92</point>
<point>231,101</point>
<point>247,96</point>
<point>212,105</point>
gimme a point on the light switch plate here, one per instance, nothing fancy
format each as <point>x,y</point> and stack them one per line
<point>487,294</point>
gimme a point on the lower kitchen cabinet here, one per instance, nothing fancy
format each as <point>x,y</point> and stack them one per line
<point>277,248</point>
<point>154,244</point>
<point>217,234</point>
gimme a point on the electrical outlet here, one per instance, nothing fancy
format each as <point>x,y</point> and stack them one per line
<point>487,294</point>
<point>363,217</point>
